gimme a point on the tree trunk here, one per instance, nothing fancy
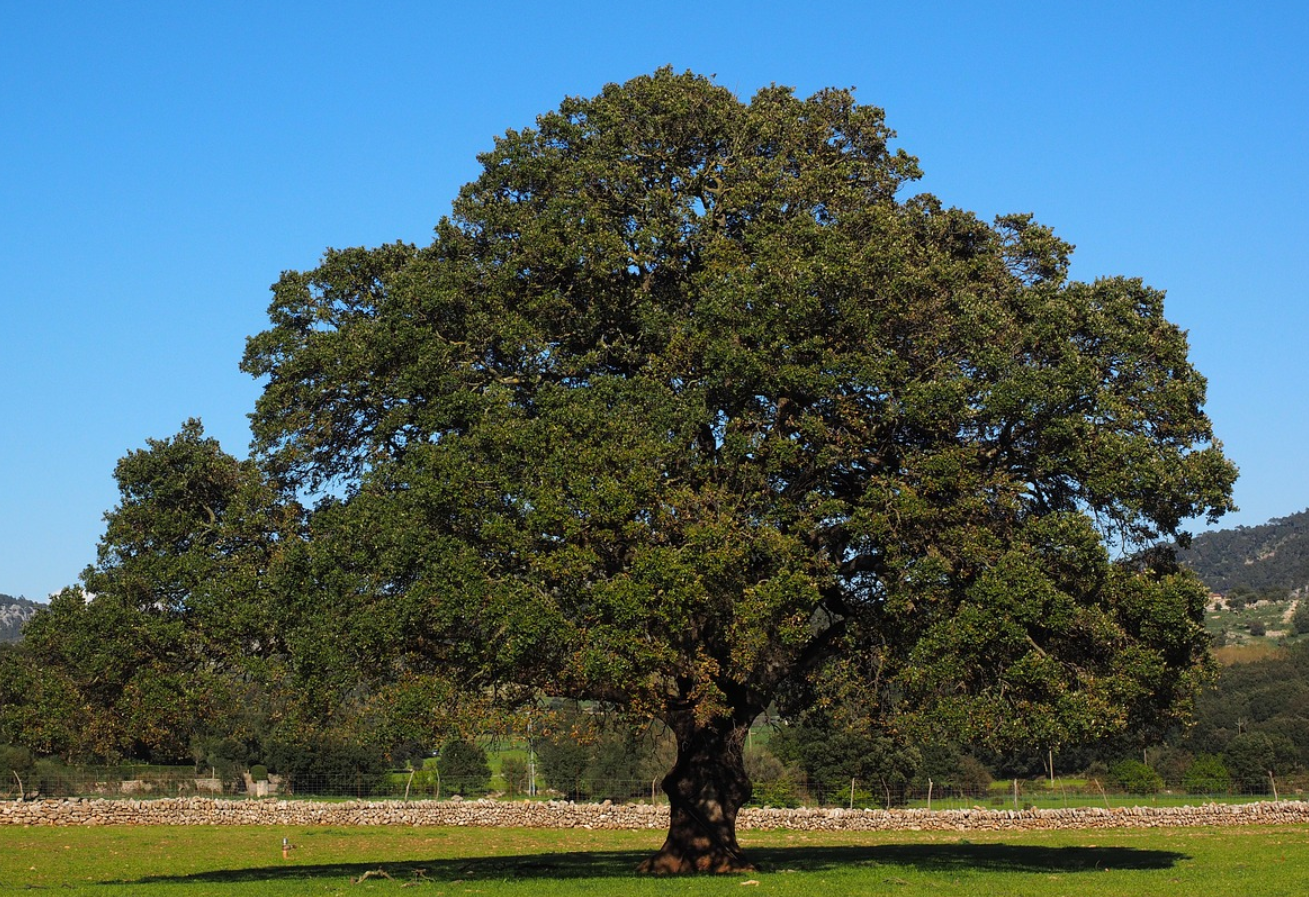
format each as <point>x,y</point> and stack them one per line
<point>705,788</point>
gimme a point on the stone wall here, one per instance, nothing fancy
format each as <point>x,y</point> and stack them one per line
<point>563,814</point>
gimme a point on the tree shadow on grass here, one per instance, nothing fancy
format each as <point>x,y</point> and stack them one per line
<point>953,858</point>
<point>964,856</point>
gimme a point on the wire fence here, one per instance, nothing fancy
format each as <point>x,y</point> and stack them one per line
<point>58,781</point>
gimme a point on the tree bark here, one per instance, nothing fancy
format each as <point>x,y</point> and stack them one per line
<point>706,788</point>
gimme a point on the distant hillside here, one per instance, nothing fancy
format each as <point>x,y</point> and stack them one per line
<point>14,612</point>
<point>1274,555</point>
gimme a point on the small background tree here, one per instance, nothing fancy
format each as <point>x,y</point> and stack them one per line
<point>1207,775</point>
<point>464,768</point>
<point>1135,777</point>
<point>513,771</point>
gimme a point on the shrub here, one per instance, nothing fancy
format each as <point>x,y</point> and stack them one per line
<point>426,779</point>
<point>1251,756</point>
<point>51,778</point>
<point>464,770</point>
<point>327,766</point>
<point>614,771</point>
<point>774,784</point>
<point>1300,620</point>
<point>974,777</point>
<point>1207,775</point>
<point>259,772</point>
<point>1257,628</point>
<point>564,763</point>
<point>1134,777</point>
<point>15,768</point>
<point>1172,764</point>
<point>775,793</point>
<point>226,758</point>
<point>513,771</point>
<point>14,759</point>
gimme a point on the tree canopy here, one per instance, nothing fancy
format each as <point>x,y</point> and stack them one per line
<point>138,661</point>
<point>689,409</point>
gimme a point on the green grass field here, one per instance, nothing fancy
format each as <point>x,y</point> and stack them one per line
<point>154,862</point>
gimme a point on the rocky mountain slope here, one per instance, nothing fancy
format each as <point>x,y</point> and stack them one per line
<point>14,612</point>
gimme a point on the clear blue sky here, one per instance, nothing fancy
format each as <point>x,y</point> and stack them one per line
<point>161,163</point>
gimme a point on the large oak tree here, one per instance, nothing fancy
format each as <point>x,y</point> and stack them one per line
<point>689,408</point>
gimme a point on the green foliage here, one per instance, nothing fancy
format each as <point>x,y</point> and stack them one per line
<point>564,763</point>
<point>1300,619</point>
<point>426,779</point>
<point>1172,763</point>
<point>1135,777</point>
<point>1268,697</point>
<point>616,769</point>
<point>1252,559</point>
<point>159,641</point>
<point>832,755</point>
<point>514,773</point>
<point>597,757</point>
<point>15,765</point>
<point>227,758</point>
<point>51,778</point>
<point>774,783</point>
<point>688,409</point>
<point>464,769</point>
<point>324,765</point>
<point>684,406</point>
<point>1207,774</point>
<point>1252,756</point>
<point>974,777</point>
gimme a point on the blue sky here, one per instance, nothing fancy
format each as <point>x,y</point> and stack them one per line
<point>161,163</point>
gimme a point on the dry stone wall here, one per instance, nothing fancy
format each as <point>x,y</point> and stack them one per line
<point>564,814</point>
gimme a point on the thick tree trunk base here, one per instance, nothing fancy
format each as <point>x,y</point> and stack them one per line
<point>674,862</point>
<point>705,788</point>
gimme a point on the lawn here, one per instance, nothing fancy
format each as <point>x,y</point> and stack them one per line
<point>155,862</point>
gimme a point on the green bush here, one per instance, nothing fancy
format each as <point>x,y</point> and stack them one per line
<point>1207,775</point>
<point>226,758</point>
<point>513,770</point>
<point>329,767</point>
<point>259,772</point>
<point>14,759</point>
<point>564,763</point>
<point>614,771</point>
<point>773,783</point>
<point>1300,620</point>
<point>1134,777</point>
<point>974,777</point>
<point>464,770</point>
<point>426,780</point>
<point>1251,756</point>
<point>775,793</point>
<point>51,778</point>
